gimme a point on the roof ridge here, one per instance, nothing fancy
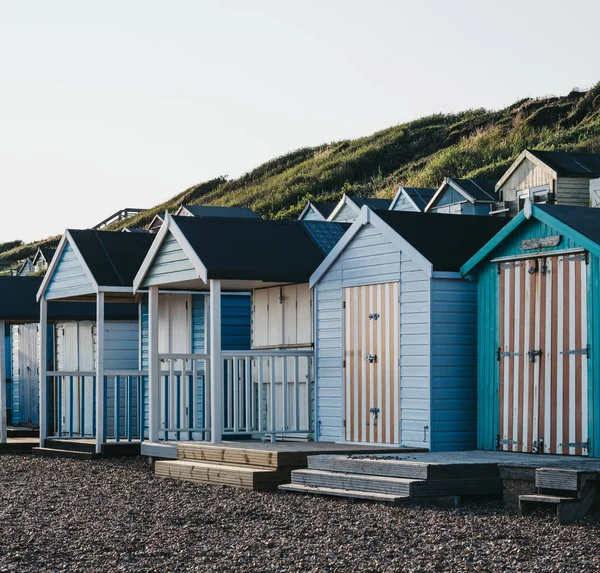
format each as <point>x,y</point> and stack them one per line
<point>111,262</point>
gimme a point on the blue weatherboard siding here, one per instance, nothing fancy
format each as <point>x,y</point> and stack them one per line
<point>488,330</point>
<point>8,365</point>
<point>454,365</point>
<point>70,277</point>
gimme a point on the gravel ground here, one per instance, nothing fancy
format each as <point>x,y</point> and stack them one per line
<point>63,515</point>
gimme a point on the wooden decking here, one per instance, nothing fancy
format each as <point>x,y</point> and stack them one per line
<point>85,448</point>
<point>20,445</point>
<point>254,465</point>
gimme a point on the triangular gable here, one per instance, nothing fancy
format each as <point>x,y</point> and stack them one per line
<point>524,155</point>
<point>365,217</point>
<point>170,259</point>
<point>311,213</point>
<point>529,212</point>
<point>68,275</point>
<point>345,204</point>
<point>402,192</point>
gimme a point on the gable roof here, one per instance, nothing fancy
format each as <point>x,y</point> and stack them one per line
<point>322,208</point>
<point>112,258</point>
<point>473,190</point>
<point>250,249</point>
<point>582,223</point>
<point>570,164</point>
<point>442,242</point>
<point>357,203</point>
<point>418,196</point>
<point>18,303</point>
<point>216,211</point>
<point>45,253</point>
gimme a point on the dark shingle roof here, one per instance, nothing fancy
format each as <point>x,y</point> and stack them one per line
<point>253,249</point>
<point>212,211</point>
<point>324,207</point>
<point>420,195</point>
<point>570,164</point>
<point>372,203</point>
<point>325,234</point>
<point>584,220</point>
<point>113,258</point>
<point>479,189</point>
<point>47,253</point>
<point>447,241</point>
<point>17,303</point>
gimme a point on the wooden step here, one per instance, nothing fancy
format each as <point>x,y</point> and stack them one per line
<point>57,453</point>
<point>347,493</point>
<point>76,445</point>
<point>257,478</point>
<point>372,466</point>
<point>18,446</point>
<point>561,479</point>
<point>544,498</point>
<point>568,509</point>
<point>229,455</point>
<point>466,487</point>
<point>356,482</point>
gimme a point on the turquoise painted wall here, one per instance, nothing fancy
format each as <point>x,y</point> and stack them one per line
<point>488,330</point>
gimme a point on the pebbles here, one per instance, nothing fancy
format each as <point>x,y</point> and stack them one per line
<point>64,515</point>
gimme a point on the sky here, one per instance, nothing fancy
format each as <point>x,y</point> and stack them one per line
<point>125,103</point>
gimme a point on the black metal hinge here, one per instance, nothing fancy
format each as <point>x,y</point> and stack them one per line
<point>578,352</point>
<point>500,354</point>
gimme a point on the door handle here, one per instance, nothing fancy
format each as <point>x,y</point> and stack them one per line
<point>371,358</point>
<point>533,353</point>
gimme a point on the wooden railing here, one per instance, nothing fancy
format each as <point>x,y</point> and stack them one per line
<point>72,404</point>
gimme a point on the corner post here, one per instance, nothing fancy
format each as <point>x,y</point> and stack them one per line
<point>3,433</point>
<point>100,405</point>
<point>42,369</point>
<point>153,366</point>
<point>216,364</point>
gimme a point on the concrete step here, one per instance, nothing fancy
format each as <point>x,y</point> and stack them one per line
<point>69,454</point>
<point>347,493</point>
<point>356,482</point>
<point>249,477</point>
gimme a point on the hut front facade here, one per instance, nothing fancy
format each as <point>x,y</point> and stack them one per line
<point>539,330</point>
<point>395,324</point>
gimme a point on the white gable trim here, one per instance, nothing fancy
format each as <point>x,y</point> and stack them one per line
<point>345,200</point>
<point>401,191</point>
<point>367,216</point>
<point>66,238</point>
<point>311,207</point>
<point>169,226</point>
<point>522,156</point>
<point>449,182</point>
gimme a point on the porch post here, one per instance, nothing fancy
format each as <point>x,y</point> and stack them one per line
<point>216,364</point>
<point>100,373</point>
<point>2,383</point>
<point>153,366</point>
<point>42,368</point>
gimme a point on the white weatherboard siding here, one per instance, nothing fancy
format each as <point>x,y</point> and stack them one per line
<point>69,278</point>
<point>526,176</point>
<point>311,215</point>
<point>454,368</point>
<point>346,214</point>
<point>170,261</point>
<point>371,258</point>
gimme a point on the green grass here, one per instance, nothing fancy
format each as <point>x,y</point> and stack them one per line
<point>474,143</point>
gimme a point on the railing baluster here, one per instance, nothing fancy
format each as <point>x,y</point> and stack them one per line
<point>60,406</point>
<point>105,411</point>
<point>261,394</point>
<point>172,395</point>
<point>166,405</point>
<point>194,411</point>
<point>284,394</point>
<point>141,407</point>
<point>117,409</point>
<point>129,408</point>
<point>94,406</point>
<point>82,409</point>
<point>273,400</point>
<point>177,405</point>
<point>229,394</point>
<point>183,405</point>
<point>70,406</point>
<point>297,392</point>
<point>236,393</point>
<point>248,394</point>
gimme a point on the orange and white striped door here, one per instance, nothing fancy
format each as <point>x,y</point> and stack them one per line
<point>371,357</point>
<point>543,355</point>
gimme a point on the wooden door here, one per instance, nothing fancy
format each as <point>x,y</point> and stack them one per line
<point>28,376</point>
<point>371,355</point>
<point>543,355</point>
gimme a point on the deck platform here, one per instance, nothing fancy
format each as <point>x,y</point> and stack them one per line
<point>85,448</point>
<point>261,466</point>
<point>19,445</point>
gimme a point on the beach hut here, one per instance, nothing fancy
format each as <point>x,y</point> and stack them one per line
<point>317,210</point>
<point>539,333</point>
<point>19,323</point>
<point>265,390</point>
<point>464,197</point>
<point>349,207</point>
<point>395,331</point>
<point>411,199</point>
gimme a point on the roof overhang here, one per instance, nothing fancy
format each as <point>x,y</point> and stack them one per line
<point>365,217</point>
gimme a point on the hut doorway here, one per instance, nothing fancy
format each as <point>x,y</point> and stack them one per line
<point>543,355</point>
<point>25,373</point>
<point>371,372</point>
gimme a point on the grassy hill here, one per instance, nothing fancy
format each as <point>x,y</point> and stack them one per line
<point>474,143</point>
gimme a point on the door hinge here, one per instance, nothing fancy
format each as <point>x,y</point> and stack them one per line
<point>501,354</point>
<point>584,445</point>
<point>578,352</point>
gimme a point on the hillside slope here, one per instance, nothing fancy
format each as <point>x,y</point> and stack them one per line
<point>474,143</point>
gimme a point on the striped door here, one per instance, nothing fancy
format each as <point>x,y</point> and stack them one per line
<point>543,355</point>
<point>371,354</point>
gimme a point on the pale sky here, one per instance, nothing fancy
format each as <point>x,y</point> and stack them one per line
<point>124,103</point>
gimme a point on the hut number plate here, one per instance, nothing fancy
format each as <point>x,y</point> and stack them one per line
<point>542,243</point>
